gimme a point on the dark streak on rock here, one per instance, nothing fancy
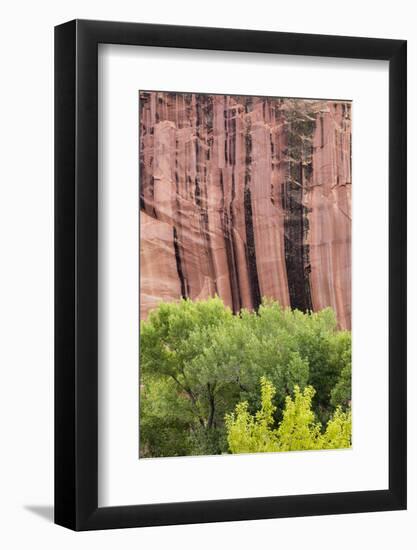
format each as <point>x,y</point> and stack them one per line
<point>228,224</point>
<point>201,186</point>
<point>250,251</point>
<point>179,265</point>
<point>250,237</point>
<point>321,131</point>
<point>296,221</point>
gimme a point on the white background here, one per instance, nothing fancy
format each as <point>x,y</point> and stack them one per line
<point>123,479</point>
<point>26,400</point>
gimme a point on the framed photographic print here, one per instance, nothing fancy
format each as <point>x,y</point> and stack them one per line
<point>230,275</point>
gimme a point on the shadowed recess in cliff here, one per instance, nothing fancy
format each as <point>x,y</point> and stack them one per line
<point>245,197</point>
<point>300,128</point>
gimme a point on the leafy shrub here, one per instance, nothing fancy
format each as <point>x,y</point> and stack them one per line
<point>298,430</point>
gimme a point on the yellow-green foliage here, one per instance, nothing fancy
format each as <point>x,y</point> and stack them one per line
<point>298,430</point>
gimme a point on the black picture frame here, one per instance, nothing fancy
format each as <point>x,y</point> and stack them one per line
<point>76,272</point>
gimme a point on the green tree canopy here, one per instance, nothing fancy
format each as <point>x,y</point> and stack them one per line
<point>202,360</point>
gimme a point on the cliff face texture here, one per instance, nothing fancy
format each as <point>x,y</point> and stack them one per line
<point>245,197</point>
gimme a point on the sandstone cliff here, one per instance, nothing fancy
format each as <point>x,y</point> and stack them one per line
<point>245,197</point>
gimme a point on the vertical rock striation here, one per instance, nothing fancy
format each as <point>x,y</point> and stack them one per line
<point>328,199</point>
<point>245,197</point>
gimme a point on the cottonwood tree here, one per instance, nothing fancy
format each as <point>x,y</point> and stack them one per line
<point>198,361</point>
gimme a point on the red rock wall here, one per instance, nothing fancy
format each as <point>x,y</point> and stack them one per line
<point>245,197</point>
<point>329,201</point>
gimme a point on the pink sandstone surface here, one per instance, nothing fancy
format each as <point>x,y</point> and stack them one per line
<point>245,197</point>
